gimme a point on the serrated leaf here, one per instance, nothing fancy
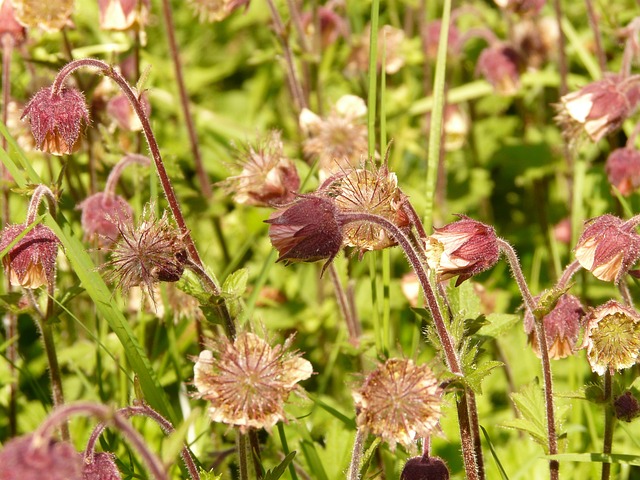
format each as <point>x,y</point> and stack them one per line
<point>204,475</point>
<point>503,474</point>
<point>499,324</point>
<point>236,284</point>
<point>279,470</point>
<point>475,378</point>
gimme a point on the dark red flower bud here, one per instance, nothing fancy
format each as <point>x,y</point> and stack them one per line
<point>31,262</point>
<point>623,170</point>
<point>101,216</point>
<point>425,468</point>
<point>56,119</point>
<point>103,467</point>
<point>608,247</point>
<point>463,249</point>
<point>500,65</point>
<point>626,407</point>
<point>307,231</point>
<point>28,458</point>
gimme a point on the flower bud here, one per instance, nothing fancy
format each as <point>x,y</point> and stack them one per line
<point>28,458</point>
<point>56,119</point>
<point>31,262</point>
<point>101,216</point>
<point>463,249</point>
<point>612,337</point>
<point>608,247</point>
<point>623,170</point>
<point>626,407</point>
<point>425,468</point>
<point>500,65</point>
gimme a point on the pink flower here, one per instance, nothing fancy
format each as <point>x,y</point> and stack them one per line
<point>500,66</point>
<point>103,216</point>
<point>623,170</point>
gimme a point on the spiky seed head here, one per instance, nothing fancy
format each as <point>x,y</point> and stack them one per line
<point>247,382</point>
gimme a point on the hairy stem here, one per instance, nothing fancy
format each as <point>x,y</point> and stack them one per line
<point>352,324</point>
<point>116,171</point>
<point>356,455</point>
<point>607,441</point>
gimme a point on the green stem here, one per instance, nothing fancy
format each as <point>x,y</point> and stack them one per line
<point>243,451</point>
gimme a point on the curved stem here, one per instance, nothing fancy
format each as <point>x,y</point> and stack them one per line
<point>116,171</point>
<point>607,441</point>
<point>40,192</point>
<point>568,273</point>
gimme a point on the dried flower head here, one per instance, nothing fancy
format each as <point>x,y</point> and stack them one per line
<point>31,262</point>
<point>247,382</point>
<point>119,108</point>
<point>500,65</point>
<point>425,468</point>
<point>307,231</point>
<point>31,458</point>
<point>369,190</point>
<point>49,16</point>
<point>399,402</point>
<point>101,467</point>
<point>123,14</point>
<point>152,252</point>
<point>339,140</point>
<point>102,215</point>
<point>463,248</point>
<point>56,119</point>
<point>623,170</point>
<point>9,25</point>
<point>561,326</point>
<point>612,337</point>
<point>598,108</point>
<point>608,247</point>
<point>216,10</point>
<point>626,407</point>
<point>268,178</point>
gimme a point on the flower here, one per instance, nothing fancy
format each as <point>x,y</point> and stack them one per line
<point>561,326</point>
<point>123,14</point>
<point>247,382</point>
<point>425,468</point>
<point>101,467</point>
<point>612,337</point>
<point>331,25</point>
<point>268,178</point>
<point>536,39</point>
<point>31,458</point>
<point>432,39</point>
<point>56,119</point>
<point>31,262</point>
<point>608,247</point>
<point>455,125</point>
<point>339,140</point>
<point>390,39</point>
<point>623,170</point>
<point>216,10</point>
<point>307,231</point>
<point>50,16</point>
<point>9,25</point>
<point>119,108</point>
<point>522,7</point>
<point>399,401</point>
<point>152,252</point>
<point>500,65</point>
<point>599,108</point>
<point>463,249</point>
<point>101,216</point>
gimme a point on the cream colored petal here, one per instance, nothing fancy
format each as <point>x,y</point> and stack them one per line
<point>351,106</point>
<point>578,106</point>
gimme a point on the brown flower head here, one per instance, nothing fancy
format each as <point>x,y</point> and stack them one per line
<point>463,249</point>
<point>101,467</point>
<point>101,216</point>
<point>425,468</point>
<point>612,337</point>
<point>123,14</point>
<point>307,231</point>
<point>626,407</point>
<point>598,108</point>
<point>56,119</point>
<point>123,113</point>
<point>28,458</point>
<point>432,39</point>
<point>49,16</point>
<point>216,10</point>
<point>152,252</point>
<point>623,170</point>
<point>368,190</point>
<point>268,178</point>
<point>31,262</point>
<point>500,65</point>
<point>608,247</point>
<point>339,140</point>
<point>561,326</point>
<point>247,382</point>
<point>9,25</point>
<point>399,402</point>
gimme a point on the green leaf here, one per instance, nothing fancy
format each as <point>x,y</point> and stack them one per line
<point>204,475</point>
<point>498,324</point>
<point>503,474</point>
<point>474,378</point>
<point>279,470</point>
<point>236,284</point>
<point>596,457</point>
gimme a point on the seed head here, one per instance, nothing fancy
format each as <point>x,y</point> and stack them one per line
<point>608,247</point>
<point>247,382</point>
<point>152,252</point>
<point>612,337</point>
<point>561,326</point>
<point>399,402</point>
<point>101,216</point>
<point>500,65</point>
<point>56,119</point>
<point>49,16</point>
<point>123,14</point>
<point>425,468</point>
<point>307,231</point>
<point>102,467</point>
<point>31,262</point>
<point>216,10</point>
<point>623,170</point>
<point>463,249</point>
<point>24,458</point>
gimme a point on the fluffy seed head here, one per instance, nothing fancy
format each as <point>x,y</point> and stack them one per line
<point>399,402</point>
<point>24,458</point>
<point>247,382</point>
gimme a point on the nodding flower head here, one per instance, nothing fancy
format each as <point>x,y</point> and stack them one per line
<point>425,468</point>
<point>500,65</point>
<point>399,401</point>
<point>307,231</point>
<point>608,247</point>
<point>49,16</point>
<point>102,215</point>
<point>612,337</point>
<point>31,262</point>
<point>56,119</point>
<point>101,466</point>
<point>463,249</point>
<point>247,382</point>
<point>623,170</point>
<point>9,25</point>
<point>123,14</point>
